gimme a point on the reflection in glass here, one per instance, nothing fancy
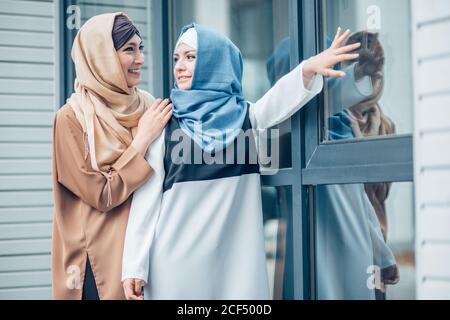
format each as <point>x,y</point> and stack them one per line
<point>358,255</point>
<point>375,97</point>
<point>277,205</point>
<point>359,93</point>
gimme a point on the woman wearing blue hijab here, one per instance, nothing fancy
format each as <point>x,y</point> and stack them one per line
<point>195,230</point>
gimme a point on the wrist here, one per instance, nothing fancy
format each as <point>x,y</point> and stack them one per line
<point>308,71</point>
<point>140,145</point>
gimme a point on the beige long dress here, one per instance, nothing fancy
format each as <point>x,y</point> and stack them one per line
<point>83,224</point>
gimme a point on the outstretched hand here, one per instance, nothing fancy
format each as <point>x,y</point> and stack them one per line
<point>324,62</point>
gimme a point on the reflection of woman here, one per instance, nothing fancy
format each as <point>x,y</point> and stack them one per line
<point>353,214</point>
<point>367,118</point>
<point>100,137</point>
<point>202,236</point>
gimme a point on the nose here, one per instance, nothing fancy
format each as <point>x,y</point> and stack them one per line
<point>180,66</point>
<point>140,59</point>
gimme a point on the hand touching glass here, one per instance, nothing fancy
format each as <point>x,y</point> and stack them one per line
<point>324,62</point>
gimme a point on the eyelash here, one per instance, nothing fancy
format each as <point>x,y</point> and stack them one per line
<point>141,48</point>
<point>175,60</point>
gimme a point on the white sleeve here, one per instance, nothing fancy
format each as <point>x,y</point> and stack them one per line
<point>143,217</point>
<point>285,98</point>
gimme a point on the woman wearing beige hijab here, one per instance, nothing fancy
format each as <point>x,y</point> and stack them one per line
<point>100,138</point>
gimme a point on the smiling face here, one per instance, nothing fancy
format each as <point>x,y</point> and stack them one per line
<point>131,57</point>
<point>184,61</point>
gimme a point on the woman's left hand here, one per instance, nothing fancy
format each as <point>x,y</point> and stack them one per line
<point>324,62</point>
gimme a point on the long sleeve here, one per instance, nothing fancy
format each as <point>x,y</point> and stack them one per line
<point>129,172</point>
<point>383,255</point>
<point>287,97</point>
<point>143,218</point>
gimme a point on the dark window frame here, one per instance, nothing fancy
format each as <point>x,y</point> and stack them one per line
<point>373,160</point>
<point>381,159</point>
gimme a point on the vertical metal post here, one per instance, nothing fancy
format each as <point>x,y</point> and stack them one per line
<point>160,28</point>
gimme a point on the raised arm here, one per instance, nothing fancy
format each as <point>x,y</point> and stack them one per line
<point>297,88</point>
<point>127,174</point>
<point>105,190</point>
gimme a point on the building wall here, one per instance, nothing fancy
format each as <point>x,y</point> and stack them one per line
<point>28,95</point>
<point>431,26</point>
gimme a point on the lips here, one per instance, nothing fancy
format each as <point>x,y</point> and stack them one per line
<point>183,78</point>
<point>135,71</point>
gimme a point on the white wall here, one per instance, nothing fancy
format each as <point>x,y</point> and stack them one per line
<point>28,97</point>
<point>431,29</point>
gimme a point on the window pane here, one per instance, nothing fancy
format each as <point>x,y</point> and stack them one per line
<point>376,96</point>
<point>260,29</point>
<point>139,13</point>
<point>277,205</point>
<point>365,241</point>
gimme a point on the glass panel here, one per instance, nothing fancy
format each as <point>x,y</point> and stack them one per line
<point>376,96</point>
<point>354,260</point>
<point>277,205</point>
<point>260,29</point>
<point>139,13</point>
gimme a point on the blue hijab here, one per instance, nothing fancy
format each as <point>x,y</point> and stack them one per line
<point>340,127</point>
<point>215,100</point>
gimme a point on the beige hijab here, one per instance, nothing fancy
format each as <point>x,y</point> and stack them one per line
<point>369,120</point>
<point>107,109</point>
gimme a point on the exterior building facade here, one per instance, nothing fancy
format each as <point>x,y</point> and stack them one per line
<point>310,204</point>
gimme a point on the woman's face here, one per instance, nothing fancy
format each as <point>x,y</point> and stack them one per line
<point>184,61</point>
<point>131,57</point>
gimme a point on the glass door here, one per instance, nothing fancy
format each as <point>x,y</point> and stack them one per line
<point>359,151</point>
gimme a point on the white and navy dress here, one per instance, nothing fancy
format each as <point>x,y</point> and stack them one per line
<point>195,231</point>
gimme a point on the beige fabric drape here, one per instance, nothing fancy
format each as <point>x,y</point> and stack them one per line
<point>107,109</point>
